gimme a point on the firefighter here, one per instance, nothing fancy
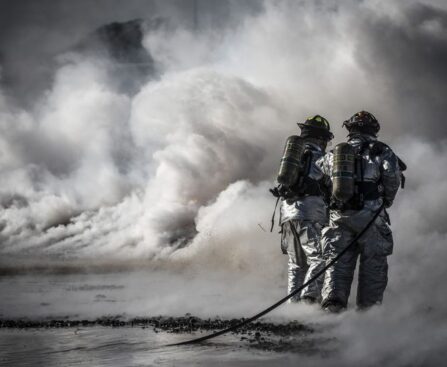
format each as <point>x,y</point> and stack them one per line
<point>304,207</point>
<point>363,174</point>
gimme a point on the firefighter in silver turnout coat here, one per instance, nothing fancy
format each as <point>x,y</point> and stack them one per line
<point>378,177</point>
<point>304,213</point>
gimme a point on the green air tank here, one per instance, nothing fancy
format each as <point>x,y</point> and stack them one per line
<point>343,180</point>
<point>290,167</point>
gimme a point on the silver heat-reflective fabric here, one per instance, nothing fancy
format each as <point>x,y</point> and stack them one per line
<point>373,247</point>
<point>308,216</point>
<point>305,257</point>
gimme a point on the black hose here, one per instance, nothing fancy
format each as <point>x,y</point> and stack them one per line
<point>290,295</point>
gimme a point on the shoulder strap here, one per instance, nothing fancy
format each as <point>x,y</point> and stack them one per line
<point>307,156</point>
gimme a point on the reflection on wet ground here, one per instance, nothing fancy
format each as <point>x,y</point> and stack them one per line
<point>141,346</point>
<point>95,320</point>
<point>290,336</point>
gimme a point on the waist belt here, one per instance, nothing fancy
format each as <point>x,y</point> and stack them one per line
<point>312,187</point>
<point>369,190</point>
<point>366,191</point>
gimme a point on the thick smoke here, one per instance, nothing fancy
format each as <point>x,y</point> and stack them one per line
<point>176,175</point>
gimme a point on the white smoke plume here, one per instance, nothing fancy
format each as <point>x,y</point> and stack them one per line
<point>177,175</point>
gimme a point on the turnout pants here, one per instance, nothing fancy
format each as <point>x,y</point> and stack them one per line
<point>301,240</point>
<point>373,248</point>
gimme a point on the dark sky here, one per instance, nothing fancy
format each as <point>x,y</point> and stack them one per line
<point>407,54</point>
<point>411,57</point>
<point>32,33</point>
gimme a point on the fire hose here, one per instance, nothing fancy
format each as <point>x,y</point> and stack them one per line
<point>290,295</point>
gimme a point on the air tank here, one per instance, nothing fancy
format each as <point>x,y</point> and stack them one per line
<point>289,169</point>
<point>343,179</point>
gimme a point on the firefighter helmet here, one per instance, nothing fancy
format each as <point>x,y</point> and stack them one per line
<point>362,122</point>
<point>316,127</point>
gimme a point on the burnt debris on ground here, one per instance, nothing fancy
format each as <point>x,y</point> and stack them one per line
<point>184,324</point>
<point>292,336</point>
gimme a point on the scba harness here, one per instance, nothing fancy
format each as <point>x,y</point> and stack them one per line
<point>294,181</point>
<point>350,188</point>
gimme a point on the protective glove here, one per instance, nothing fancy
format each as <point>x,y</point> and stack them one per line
<point>279,191</point>
<point>275,192</point>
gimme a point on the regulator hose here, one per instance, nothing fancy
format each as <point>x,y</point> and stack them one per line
<point>290,295</point>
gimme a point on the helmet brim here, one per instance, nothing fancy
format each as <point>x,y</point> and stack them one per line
<point>315,131</point>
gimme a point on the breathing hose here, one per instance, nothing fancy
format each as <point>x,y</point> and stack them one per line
<point>290,295</point>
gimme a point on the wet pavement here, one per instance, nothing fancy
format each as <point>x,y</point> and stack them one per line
<point>95,320</point>
<point>142,342</point>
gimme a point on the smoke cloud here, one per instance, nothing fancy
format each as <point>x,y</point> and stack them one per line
<point>176,174</point>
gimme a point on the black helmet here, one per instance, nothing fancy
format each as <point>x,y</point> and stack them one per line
<point>362,122</point>
<point>316,127</point>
